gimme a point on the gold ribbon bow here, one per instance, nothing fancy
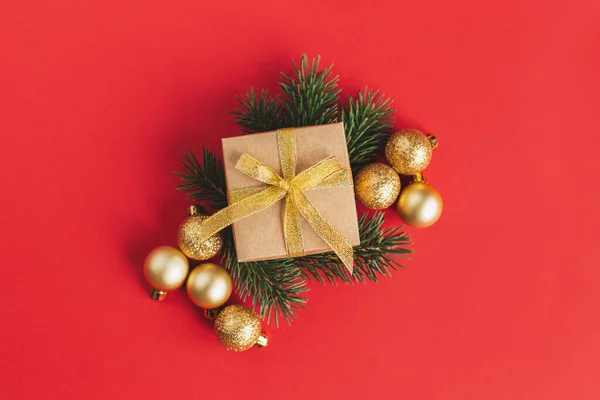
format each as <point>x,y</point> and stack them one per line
<point>245,202</point>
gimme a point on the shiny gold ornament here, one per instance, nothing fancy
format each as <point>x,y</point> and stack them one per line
<point>377,186</point>
<point>165,268</point>
<point>419,204</point>
<point>238,328</point>
<point>189,234</point>
<point>409,151</point>
<point>209,285</point>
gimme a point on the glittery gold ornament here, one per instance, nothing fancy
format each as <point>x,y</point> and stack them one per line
<point>238,328</point>
<point>165,268</point>
<point>409,151</point>
<point>419,204</point>
<point>377,186</point>
<point>209,285</point>
<point>188,235</point>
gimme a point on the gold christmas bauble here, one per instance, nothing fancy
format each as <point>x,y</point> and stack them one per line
<point>165,268</point>
<point>409,151</point>
<point>238,328</point>
<point>209,285</point>
<point>377,186</point>
<point>419,204</point>
<point>187,238</point>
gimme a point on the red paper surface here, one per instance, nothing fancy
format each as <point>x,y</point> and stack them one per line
<point>99,99</point>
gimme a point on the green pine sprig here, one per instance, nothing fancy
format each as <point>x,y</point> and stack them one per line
<point>258,114</point>
<point>368,123</point>
<point>310,97</point>
<point>275,287</point>
<point>204,183</point>
<point>376,256</point>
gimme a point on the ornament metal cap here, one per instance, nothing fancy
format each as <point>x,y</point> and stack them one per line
<point>417,178</point>
<point>434,142</point>
<point>262,341</point>
<point>193,210</point>
<point>211,313</point>
<point>158,295</point>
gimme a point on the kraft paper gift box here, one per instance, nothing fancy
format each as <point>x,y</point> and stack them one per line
<point>260,236</point>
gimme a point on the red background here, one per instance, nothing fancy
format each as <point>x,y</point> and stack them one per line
<point>99,99</point>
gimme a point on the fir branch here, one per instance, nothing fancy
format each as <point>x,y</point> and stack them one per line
<point>258,114</point>
<point>374,257</point>
<point>274,286</point>
<point>309,96</point>
<point>204,183</point>
<point>367,122</point>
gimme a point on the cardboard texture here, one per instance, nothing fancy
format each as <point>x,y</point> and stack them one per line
<point>260,236</point>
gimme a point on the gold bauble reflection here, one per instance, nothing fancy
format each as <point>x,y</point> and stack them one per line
<point>209,285</point>
<point>377,186</point>
<point>419,205</point>
<point>187,239</point>
<point>165,268</point>
<point>409,151</point>
<point>237,328</point>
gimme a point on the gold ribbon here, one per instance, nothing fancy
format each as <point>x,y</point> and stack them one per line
<point>291,187</point>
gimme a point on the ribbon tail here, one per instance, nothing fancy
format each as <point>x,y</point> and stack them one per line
<point>329,233</point>
<point>240,194</point>
<point>241,209</point>
<point>292,229</point>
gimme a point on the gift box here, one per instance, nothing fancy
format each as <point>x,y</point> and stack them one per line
<point>260,236</point>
